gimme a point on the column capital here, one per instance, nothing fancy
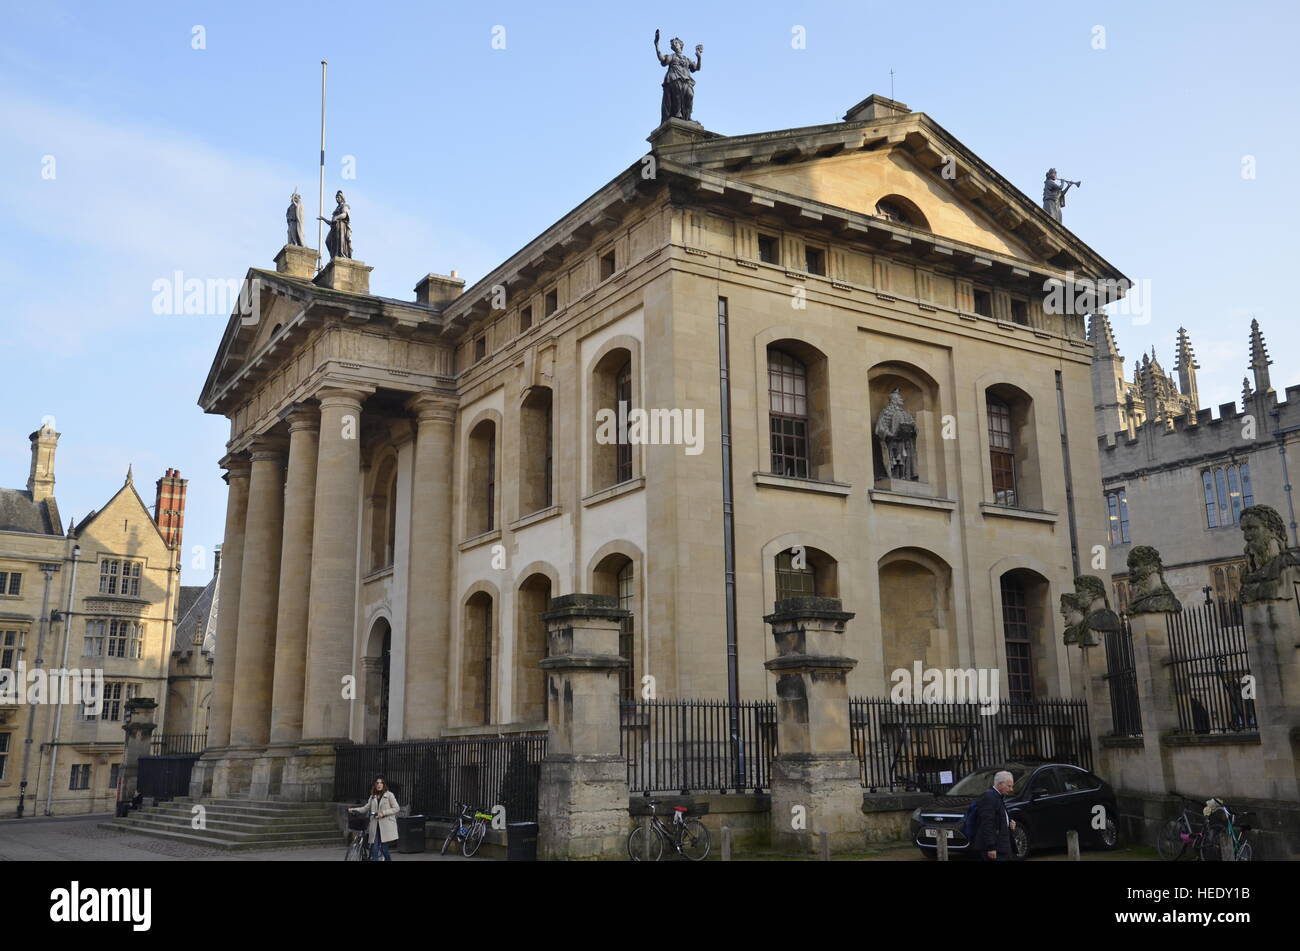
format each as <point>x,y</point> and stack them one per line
<point>301,416</point>
<point>267,448</point>
<point>433,407</point>
<point>342,392</point>
<point>236,465</point>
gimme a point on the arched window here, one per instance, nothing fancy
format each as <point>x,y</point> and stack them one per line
<point>616,576</point>
<point>1013,447</point>
<point>1002,452</point>
<point>901,211</point>
<point>1024,631</point>
<point>803,572</point>
<point>535,451</point>
<point>787,387</point>
<point>481,480</point>
<point>613,394</point>
<point>476,660</point>
<point>530,650</point>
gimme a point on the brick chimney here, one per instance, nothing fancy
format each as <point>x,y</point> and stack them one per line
<point>169,507</point>
<point>40,481</point>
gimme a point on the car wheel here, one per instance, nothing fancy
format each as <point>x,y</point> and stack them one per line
<point>1108,838</point>
<point>1020,841</point>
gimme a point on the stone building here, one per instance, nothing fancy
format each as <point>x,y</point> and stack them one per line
<point>411,482</point>
<point>1177,478</point>
<point>101,596</point>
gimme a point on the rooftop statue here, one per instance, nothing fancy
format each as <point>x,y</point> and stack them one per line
<point>679,87</point>
<point>294,218</point>
<point>1054,190</point>
<point>339,239</point>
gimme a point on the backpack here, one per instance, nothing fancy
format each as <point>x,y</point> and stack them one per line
<point>968,820</point>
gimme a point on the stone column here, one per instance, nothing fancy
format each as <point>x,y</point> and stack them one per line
<point>139,727</point>
<point>1271,612</point>
<point>295,576</point>
<point>583,804</point>
<point>815,776</point>
<point>1156,697</point>
<point>428,625</point>
<point>332,618</point>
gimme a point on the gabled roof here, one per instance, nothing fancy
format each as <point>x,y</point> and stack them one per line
<point>128,485</point>
<point>192,614</point>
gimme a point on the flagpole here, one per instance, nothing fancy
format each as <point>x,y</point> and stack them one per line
<point>320,202</point>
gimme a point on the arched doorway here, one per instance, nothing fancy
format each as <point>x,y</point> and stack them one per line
<point>376,668</point>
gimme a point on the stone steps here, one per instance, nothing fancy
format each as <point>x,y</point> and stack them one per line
<point>237,824</point>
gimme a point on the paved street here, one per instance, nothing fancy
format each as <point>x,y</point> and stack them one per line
<point>79,839</point>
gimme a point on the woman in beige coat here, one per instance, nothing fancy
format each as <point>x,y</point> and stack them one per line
<point>383,810</point>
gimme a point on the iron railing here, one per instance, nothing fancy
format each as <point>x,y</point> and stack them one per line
<point>930,746</point>
<point>1210,664</point>
<point>171,744</point>
<point>163,777</point>
<point>431,775</point>
<point>1121,680</point>
<point>686,746</point>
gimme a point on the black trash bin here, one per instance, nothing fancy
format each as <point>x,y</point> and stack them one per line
<point>521,841</point>
<point>410,833</point>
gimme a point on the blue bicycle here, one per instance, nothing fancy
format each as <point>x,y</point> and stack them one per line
<point>469,830</point>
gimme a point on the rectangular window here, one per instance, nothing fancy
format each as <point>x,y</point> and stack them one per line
<point>623,396</point>
<point>607,266</point>
<point>1117,512</point>
<point>814,261</point>
<point>11,583</point>
<point>11,648</point>
<point>94,638</point>
<point>113,772</point>
<point>492,483</point>
<point>1015,628</point>
<point>480,348</point>
<point>787,385</point>
<point>769,249</point>
<point>80,776</point>
<point>983,302</point>
<point>111,707</point>
<point>552,301</point>
<point>120,578</point>
<point>550,442</point>
<point>525,318</point>
<point>625,644</point>
<point>4,754</point>
<point>1020,312</point>
<point>1002,453</point>
<point>487,662</point>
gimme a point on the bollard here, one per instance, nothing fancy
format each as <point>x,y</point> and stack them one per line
<point>726,843</point>
<point>1072,845</point>
<point>941,843</point>
<point>826,846</point>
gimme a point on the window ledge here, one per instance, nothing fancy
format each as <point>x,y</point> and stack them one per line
<point>532,518</point>
<point>614,491</point>
<point>820,486</point>
<point>376,573</point>
<point>1007,511</point>
<point>920,501</point>
<point>477,540</point>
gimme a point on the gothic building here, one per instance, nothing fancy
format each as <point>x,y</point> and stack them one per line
<point>1176,477</point>
<point>411,481</point>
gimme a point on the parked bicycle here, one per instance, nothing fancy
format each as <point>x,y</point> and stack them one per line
<point>1198,833</point>
<point>359,838</point>
<point>688,837</point>
<point>469,830</point>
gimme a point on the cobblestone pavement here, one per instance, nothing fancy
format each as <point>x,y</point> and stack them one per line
<point>79,839</point>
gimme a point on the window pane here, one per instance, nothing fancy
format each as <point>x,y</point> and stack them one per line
<point>1222,485</point>
<point>1211,517</point>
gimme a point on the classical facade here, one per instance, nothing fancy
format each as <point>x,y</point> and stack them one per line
<point>1176,477</point>
<point>101,597</point>
<point>411,482</point>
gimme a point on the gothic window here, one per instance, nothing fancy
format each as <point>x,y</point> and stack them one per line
<point>1117,512</point>
<point>1227,492</point>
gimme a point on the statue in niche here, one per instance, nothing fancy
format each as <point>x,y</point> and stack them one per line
<point>1146,575</point>
<point>1266,555</point>
<point>896,430</point>
<point>679,87</point>
<point>1087,612</point>
<point>339,239</point>
<point>293,216</point>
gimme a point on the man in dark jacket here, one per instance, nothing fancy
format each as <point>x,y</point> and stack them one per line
<point>992,824</point>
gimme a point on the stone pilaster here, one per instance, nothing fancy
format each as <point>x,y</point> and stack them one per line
<point>815,776</point>
<point>428,625</point>
<point>309,775</point>
<point>1156,698</point>
<point>250,722</point>
<point>582,812</point>
<point>1273,647</point>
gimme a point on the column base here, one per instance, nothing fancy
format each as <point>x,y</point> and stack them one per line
<point>232,774</point>
<point>582,808</point>
<point>268,771</point>
<point>827,790</point>
<point>308,774</point>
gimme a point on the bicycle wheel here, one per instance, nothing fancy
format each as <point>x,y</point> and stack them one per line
<point>356,849</point>
<point>451,837</point>
<point>1245,853</point>
<point>644,845</point>
<point>695,840</point>
<point>474,839</point>
<point>1169,843</point>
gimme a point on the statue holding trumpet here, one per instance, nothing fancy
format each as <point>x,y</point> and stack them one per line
<point>1054,190</point>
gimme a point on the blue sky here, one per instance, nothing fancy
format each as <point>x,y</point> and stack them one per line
<point>169,158</point>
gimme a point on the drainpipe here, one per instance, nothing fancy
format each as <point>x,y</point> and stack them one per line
<point>729,546</point>
<point>48,569</point>
<point>58,710</point>
<point>1069,479</point>
<point>1286,478</point>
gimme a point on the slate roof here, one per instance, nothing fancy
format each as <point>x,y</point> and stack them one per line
<point>18,513</point>
<point>192,609</point>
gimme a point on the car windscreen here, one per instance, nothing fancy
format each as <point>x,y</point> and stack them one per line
<point>975,783</point>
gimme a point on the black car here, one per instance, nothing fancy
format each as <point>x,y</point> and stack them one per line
<point>1048,800</point>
